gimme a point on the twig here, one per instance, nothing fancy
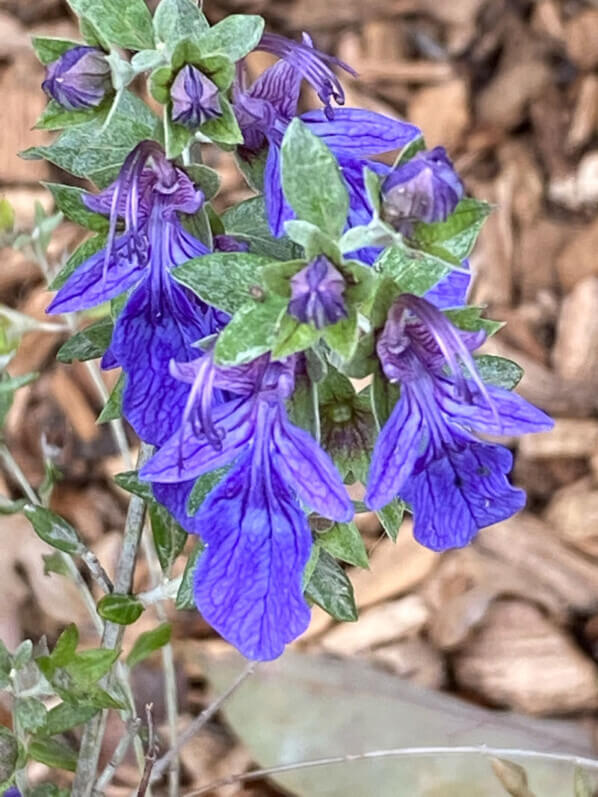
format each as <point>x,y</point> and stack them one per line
<point>117,757</point>
<point>93,734</point>
<point>401,752</point>
<point>96,570</point>
<point>198,723</point>
<point>165,591</point>
<point>152,753</point>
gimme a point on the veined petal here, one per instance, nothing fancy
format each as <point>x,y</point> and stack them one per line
<point>248,580</point>
<point>398,447</point>
<point>357,133</point>
<point>277,208</point>
<point>280,85</point>
<point>174,497</point>
<point>461,492</point>
<point>451,291</point>
<point>510,415</point>
<point>186,455</point>
<point>155,326</point>
<point>310,471</point>
<point>92,283</point>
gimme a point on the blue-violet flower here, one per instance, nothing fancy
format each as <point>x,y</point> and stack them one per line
<point>248,580</point>
<point>426,454</point>
<point>195,98</point>
<point>317,294</point>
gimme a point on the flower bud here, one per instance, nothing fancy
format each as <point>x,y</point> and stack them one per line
<point>195,98</point>
<point>79,79</point>
<point>228,243</point>
<point>425,188</point>
<point>317,294</point>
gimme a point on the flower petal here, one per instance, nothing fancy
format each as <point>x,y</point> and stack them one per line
<point>156,325</point>
<point>174,497</point>
<point>92,283</point>
<point>187,455</point>
<point>278,209</point>
<point>461,492</point>
<point>397,449</point>
<point>310,471</point>
<point>451,291</point>
<point>280,85</point>
<point>355,132</point>
<point>512,414</point>
<point>248,580</point>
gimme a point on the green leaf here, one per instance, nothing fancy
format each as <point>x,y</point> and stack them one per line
<point>7,216</point>
<point>88,344</point>
<point>90,666</point>
<point>49,49</point>
<point>310,566</point>
<point>342,337</point>
<point>412,271</point>
<point>248,222</point>
<point>96,152</point>
<point>176,137</point>
<point>499,371</point>
<point>69,200</point>
<point>113,409</point>
<point>11,383</point>
<point>5,659</point>
<point>252,166</point>
<point>235,36</point>
<point>169,536</point>
<point>82,253</point>
<point>184,598</point>
<point>312,240</point>
<point>148,642</point>
<point>223,130</point>
<point>293,336</point>
<point>391,518</point>
<point>384,396</point>
<point>457,235</point>
<point>9,755</point>
<point>178,19</point>
<point>53,753</point>
<point>302,406</point>
<point>48,790</point>
<point>55,117</point>
<point>53,529</point>
<point>30,714</point>
<point>348,429</point>
<point>205,178</point>
<point>127,25</point>
<point>331,589</point>
<point>23,654</point>
<point>66,646</point>
<point>312,180</point>
<point>130,481</point>
<point>581,784</point>
<point>204,485</point>
<point>251,332</point>
<point>121,609</point>
<point>227,280</point>
<point>410,150</point>
<point>65,716</point>
<point>54,563</point>
<point>470,319</point>
<point>344,542</point>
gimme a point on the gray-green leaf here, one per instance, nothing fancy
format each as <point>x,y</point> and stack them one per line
<point>126,24</point>
<point>330,588</point>
<point>312,180</point>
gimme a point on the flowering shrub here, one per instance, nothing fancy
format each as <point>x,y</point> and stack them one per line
<point>239,334</point>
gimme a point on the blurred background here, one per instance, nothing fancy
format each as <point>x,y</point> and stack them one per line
<point>510,87</point>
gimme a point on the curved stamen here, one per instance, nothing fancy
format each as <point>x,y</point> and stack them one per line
<point>451,345</point>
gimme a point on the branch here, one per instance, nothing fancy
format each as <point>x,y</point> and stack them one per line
<point>401,752</point>
<point>198,723</point>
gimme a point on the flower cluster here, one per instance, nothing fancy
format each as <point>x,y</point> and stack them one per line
<point>238,333</point>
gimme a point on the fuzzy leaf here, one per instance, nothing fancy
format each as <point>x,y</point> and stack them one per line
<point>391,518</point>
<point>499,371</point>
<point>312,180</point>
<point>53,753</point>
<point>169,537</point>
<point>251,332</point>
<point>343,541</point>
<point>148,642</point>
<point>113,407</point>
<point>121,609</point>
<point>330,588</point>
<point>53,529</point>
<point>184,598</point>
<point>49,49</point>
<point>128,25</point>
<point>235,36</point>
<point>248,222</point>
<point>87,344</point>
<point>175,20</point>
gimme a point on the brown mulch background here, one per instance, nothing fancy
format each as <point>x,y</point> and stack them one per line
<point>511,88</point>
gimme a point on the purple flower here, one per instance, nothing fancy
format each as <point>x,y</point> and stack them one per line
<point>228,243</point>
<point>248,580</point>
<point>160,319</point>
<point>425,188</point>
<point>426,453</point>
<point>79,79</point>
<point>313,65</point>
<point>195,98</point>
<point>265,110</point>
<point>317,294</point>
<point>12,792</point>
